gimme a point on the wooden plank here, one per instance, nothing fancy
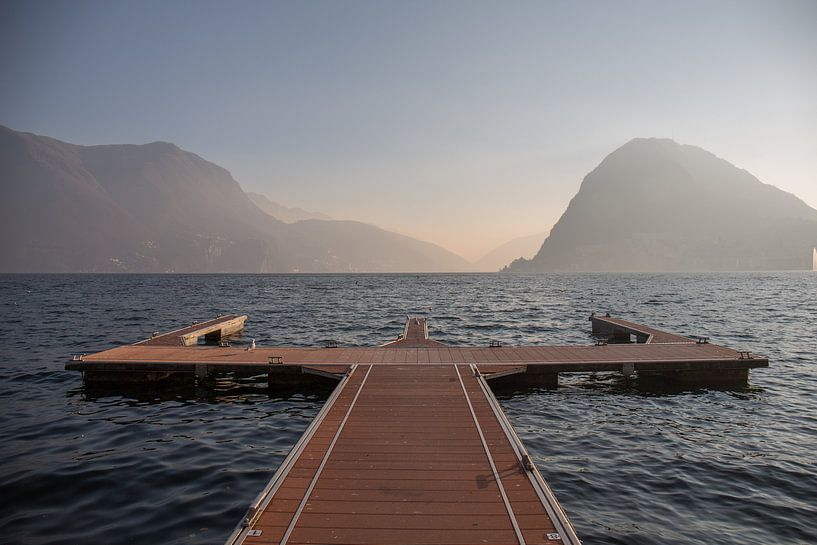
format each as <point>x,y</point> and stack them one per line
<point>409,443</point>
<point>571,358</point>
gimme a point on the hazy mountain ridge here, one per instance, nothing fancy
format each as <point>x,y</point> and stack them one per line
<point>340,244</point>
<point>284,213</point>
<point>656,205</point>
<point>158,208</point>
<point>503,254</point>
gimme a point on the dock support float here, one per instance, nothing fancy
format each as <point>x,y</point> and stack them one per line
<point>719,378</point>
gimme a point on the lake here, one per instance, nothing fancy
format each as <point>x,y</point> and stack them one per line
<point>629,465</point>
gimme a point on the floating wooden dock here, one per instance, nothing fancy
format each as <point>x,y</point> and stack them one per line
<point>412,448</point>
<point>211,330</point>
<point>653,353</point>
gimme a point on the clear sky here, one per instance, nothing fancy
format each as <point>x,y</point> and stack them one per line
<point>463,123</point>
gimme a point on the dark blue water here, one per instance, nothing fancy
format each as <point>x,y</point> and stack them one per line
<point>629,465</point>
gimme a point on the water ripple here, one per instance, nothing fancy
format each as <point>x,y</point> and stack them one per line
<point>629,466</point>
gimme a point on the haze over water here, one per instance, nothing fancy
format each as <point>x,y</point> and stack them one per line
<point>628,465</point>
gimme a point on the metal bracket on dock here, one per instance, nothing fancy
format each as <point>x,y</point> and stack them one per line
<point>254,533</point>
<point>77,357</point>
<point>527,463</point>
<point>700,339</point>
<point>331,343</point>
<point>224,344</point>
<point>745,356</point>
<point>601,342</point>
<point>276,359</point>
<point>251,511</point>
<point>495,344</point>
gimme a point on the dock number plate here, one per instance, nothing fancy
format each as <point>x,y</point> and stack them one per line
<point>254,533</point>
<point>554,536</point>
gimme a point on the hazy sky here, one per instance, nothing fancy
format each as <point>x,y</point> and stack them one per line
<point>463,123</point>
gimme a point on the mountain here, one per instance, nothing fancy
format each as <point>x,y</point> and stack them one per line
<point>656,205</point>
<point>284,213</point>
<point>158,208</point>
<point>503,254</point>
<point>351,246</point>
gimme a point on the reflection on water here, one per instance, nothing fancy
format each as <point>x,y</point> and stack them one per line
<point>629,464</point>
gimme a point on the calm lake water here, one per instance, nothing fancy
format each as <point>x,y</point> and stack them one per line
<point>628,465</point>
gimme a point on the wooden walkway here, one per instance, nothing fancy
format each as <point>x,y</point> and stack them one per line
<point>412,448</point>
<point>408,455</point>
<point>557,358</point>
<point>616,327</point>
<point>216,328</point>
<point>415,335</point>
